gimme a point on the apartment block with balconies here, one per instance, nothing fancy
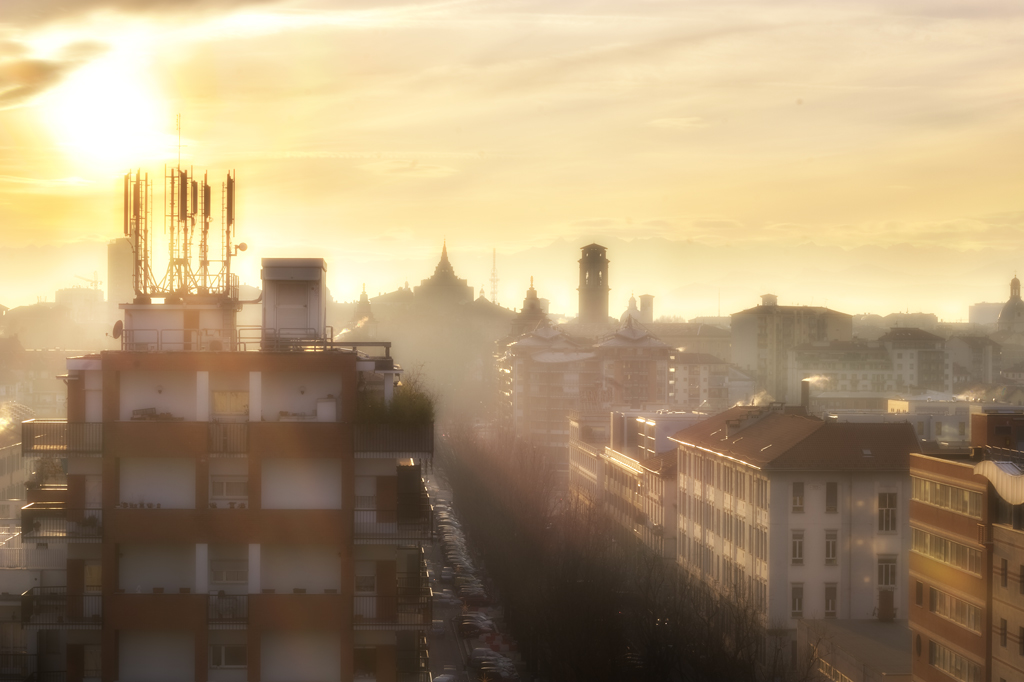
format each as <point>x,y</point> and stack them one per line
<point>234,514</point>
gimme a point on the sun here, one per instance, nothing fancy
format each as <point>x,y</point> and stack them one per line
<point>108,115</point>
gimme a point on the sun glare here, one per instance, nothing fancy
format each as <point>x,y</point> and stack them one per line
<point>108,116</point>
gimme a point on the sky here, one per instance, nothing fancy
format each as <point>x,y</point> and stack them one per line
<point>861,155</point>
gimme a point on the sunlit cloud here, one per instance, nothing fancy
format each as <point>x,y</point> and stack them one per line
<point>409,169</point>
<point>686,123</point>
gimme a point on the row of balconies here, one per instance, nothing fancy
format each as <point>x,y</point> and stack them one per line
<point>54,522</point>
<point>57,438</point>
<point>52,608</point>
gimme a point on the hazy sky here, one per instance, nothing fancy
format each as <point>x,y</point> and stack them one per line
<point>760,146</point>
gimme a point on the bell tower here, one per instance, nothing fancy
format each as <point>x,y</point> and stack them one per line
<point>594,285</point>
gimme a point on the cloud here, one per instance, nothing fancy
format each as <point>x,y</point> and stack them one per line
<point>17,184</point>
<point>22,78</point>
<point>408,169</point>
<point>37,12</point>
<point>686,123</point>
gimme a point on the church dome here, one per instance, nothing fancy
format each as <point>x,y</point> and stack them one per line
<point>631,311</point>
<point>1012,317</point>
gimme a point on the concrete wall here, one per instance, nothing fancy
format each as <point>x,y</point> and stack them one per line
<point>282,392</point>
<point>291,483</point>
<point>156,656</point>
<point>314,568</point>
<point>143,567</point>
<point>300,657</point>
<point>168,392</point>
<point>169,481</point>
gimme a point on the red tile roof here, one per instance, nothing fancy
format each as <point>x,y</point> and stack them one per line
<point>771,439</point>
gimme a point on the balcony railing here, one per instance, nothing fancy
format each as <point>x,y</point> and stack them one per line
<point>411,523</point>
<point>412,664</point>
<point>18,666</point>
<point>229,437</point>
<point>389,612</point>
<point>394,440</point>
<point>58,438</point>
<point>52,521</point>
<point>53,608</point>
<point>227,608</point>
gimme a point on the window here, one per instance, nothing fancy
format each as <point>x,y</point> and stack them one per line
<point>954,609</point>
<point>938,428</point>
<point>229,487</point>
<point>1020,641</point>
<point>229,571</point>
<point>953,663</point>
<point>366,583</point>
<point>886,512</point>
<point>831,542</point>
<point>887,571</point>
<point>963,429</point>
<point>1020,577</point>
<point>228,656</point>
<point>798,547</point>
<point>1004,571</point>
<point>798,600</point>
<point>1002,632</point>
<point>830,600</point>
<point>919,593</point>
<point>960,500</point>
<point>831,497</point>
<point>93,578</point>
<point>798,497</point>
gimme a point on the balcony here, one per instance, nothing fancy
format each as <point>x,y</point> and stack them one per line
<point>58,438</point>
<point>19,666</point>
<point>402,605</point>
<point>412,663</point>
<point>52,608</point>
<point>389,612</point>
<point>406,523</point>
<point>228,438</point>
<point>53,522</point>
<point>392,441</point>
<point>227,609</point>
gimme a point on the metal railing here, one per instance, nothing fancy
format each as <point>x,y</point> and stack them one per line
<point>409,522</point>
<point>229,437</point>
<point>21,666</point>
<point>58,438</point>
<point>392,612</point>
<point>54,608</point>
<point>49,521</point>
<point>388,439</point>
<point>227,608</point>
<point>412,664</point>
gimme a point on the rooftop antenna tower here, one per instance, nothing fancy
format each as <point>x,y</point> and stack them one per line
<point>494,276</point>
<point>187,210</point>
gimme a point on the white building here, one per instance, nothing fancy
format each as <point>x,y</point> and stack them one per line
<point>806,518</point>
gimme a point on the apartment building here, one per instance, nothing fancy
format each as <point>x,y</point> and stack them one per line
<point>699,382</point>
<point>547,373</point>
<point>950,613</point>
<point>240,503</point>
<point>806,518</point>
<point>763,336</point>
<point>625,463</point>
<point>1004,470</point>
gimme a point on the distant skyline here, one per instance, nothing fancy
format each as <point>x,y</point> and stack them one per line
<point>863,156</point>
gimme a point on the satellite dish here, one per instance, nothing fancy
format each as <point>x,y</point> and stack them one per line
<point>118,329</point>
<point>243,246</point>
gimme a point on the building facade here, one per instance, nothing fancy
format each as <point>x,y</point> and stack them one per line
<point>805,518</point>
<point>238,511</point>
<point>763,336</point>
